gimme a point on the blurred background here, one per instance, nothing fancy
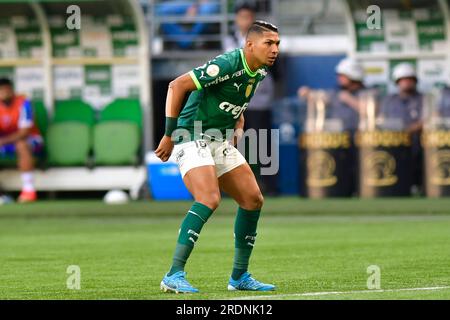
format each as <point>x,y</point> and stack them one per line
<point>359,94</point>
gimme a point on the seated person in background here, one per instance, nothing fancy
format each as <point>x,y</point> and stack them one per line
<point>19,136</point>
<point>343,103</point>
<point>405,107</point>
<point>184,34</point>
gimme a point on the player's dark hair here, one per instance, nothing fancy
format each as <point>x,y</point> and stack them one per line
<point>260,26</point>
<point>244,6</point>
<point>5,82</point>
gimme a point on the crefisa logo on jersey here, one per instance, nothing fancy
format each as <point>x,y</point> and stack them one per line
<point>234,109</point>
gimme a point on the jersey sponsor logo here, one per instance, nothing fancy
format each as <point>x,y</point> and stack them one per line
<point>238,73</point>
<point>212,70</point>
<point>235,110</point>
<point>218,80</point>
<point>237,86</point>
<point>202,75</point>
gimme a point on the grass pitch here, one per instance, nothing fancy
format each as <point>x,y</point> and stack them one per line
<point>303,247</point>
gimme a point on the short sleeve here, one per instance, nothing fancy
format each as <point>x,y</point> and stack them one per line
<point>211,73</point>
<point>26,116</point>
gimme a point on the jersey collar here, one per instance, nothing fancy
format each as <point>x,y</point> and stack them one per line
<point>246,67</point>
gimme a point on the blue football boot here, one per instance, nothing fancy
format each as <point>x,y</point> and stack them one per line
<point>246,282</point>
<point>177,283</point>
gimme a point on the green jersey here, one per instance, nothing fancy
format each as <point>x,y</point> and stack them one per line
<point>225,86</point>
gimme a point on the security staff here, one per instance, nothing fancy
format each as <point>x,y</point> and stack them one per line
<point>343,103</point>
<point>403,111</point>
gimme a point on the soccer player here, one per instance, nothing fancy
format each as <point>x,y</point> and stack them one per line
<point>19,136</point>
<point>222,89</point>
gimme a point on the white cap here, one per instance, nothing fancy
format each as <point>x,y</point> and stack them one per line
<point>351,69</point>
<point>403,70</point>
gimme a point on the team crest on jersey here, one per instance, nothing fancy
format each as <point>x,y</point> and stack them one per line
<point>212,70</point>
<point>248,91</point>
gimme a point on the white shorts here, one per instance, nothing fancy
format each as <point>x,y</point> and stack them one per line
<point>221,154</point>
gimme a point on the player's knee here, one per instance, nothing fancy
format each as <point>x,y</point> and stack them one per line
<point>22,147</point>
<point>253,202</point>
<point>211,199</point>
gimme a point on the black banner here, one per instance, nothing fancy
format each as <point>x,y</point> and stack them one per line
<point>437,163</point>
<point>326,163</point>
<point>384,164</point>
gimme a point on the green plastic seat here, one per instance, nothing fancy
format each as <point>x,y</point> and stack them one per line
<point>123,110</point>
<point>40,117</point>
<point>8,162</point>
<point>68,143</point>
<point>74,110</point>
<point>116,143</point>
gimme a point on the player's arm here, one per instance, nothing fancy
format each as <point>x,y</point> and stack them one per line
<point>415,127</point>
<point>176,92</point>
<point>350,100</point>
<point>16,136</point>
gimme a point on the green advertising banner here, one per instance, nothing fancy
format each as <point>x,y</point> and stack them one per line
<point>7,72</point>
<point>28,80</point>
<point>98,85</point>
<point>400,30</point>
<point>20,37</point>
<point>98,78</point>
<point>65,42</point>
<point>428,32</point>
<point>124,40</point>
<point>98,37</point>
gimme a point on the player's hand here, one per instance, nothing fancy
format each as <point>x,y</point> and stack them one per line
<point>165,148</point>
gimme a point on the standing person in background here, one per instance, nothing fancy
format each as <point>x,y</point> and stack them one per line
<point>406,107</point>
<point>343,107</point>
<point>19,136</point>
<point>344,104</point>
<point>259,110</point>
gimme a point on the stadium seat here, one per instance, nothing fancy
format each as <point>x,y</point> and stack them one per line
<point>123,110</point>
<point>74,110</point>
<point>68,143</point>
<point>116,143</point>
<point>69,136</point>
<point>40,116</point>
<point>117,136</point>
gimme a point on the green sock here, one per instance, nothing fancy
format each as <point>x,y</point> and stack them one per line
<point>188,235</point>
<point>244,239</point>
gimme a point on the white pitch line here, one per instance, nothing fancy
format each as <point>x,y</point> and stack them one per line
<point>308,294</point>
